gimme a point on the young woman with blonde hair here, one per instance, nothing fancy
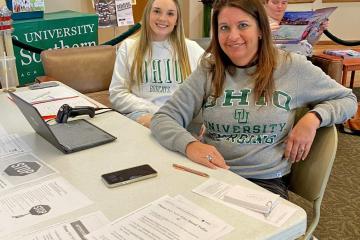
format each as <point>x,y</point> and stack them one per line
<point>151,65</point>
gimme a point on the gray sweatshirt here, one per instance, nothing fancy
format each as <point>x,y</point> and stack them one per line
<point>250,134</point>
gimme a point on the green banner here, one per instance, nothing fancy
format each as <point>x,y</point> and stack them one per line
<point>56,30</point>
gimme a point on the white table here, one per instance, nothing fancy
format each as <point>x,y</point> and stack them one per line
<point>136,146</point>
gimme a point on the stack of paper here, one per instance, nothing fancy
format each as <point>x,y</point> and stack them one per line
<point>48,100</point>
<point>344,53</point>
<point>167,218</point>
<point>47,94</point>
<point>216,190</point>
<point>259,201</point>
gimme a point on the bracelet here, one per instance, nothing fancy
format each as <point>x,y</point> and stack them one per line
<point>317,115</point>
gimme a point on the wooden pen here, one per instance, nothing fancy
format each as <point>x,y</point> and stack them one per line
<point>186,169</point>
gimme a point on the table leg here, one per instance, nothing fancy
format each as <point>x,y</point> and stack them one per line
<point>344,77</point>
<point>352,79</point>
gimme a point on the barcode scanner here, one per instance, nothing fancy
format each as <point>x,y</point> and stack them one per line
<point>65,112</point>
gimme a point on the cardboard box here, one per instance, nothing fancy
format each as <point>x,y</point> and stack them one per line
<point>56,30</point>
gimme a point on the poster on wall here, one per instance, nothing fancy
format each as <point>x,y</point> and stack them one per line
<point>106,11</point>
<point>27,5</point>
<point>124,12</point>
<point>114,12</point>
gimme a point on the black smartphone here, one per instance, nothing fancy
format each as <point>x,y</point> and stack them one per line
<point>129,175</point>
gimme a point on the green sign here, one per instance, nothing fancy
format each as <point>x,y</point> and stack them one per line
<point>56,30</point>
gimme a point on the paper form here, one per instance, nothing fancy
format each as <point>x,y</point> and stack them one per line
<point>167,218</point>
<point>22,168</point>
<point>75,229</point>
<point>35,204</point>
<point>12,144</point>
<point>46,94</point>
<point>216,190</point>
<point>51,108</point>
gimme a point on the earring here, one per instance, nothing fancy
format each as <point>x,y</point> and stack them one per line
<point>260,37</point>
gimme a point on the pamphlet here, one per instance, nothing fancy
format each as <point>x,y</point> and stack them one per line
<point>259,201</point>
<point>345,53</point>
<point>32,205</point>
<point>124,13</point>
<point>11,145</point>
<point>74,229</point>
<point>168,218</point>
<point>302,25</point>
<point>216,190</point>
<point>22,169</point>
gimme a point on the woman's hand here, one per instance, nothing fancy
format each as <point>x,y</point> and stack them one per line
<point>206,155</point>
<point>324,26</point>
<point>301,137</point>
<point>145,120</point>
<point>274,26</point>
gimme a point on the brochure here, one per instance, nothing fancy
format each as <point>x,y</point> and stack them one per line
<point>345,53</point>
<point>28,6</point>
<point>303,25</point>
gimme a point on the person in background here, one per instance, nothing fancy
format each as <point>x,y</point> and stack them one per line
<point>151,65</point>
<point>275,10</point>
<point>248,92</point>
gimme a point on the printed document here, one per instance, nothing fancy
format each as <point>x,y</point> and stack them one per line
<point>75,229</point>
<point>12,144</point>
<point>47,94</point>
<point>124,13</point>
<point>30,206</point>
<point>50,109</point>
<point>167,218</point>
<point>20,169</point>
<point>216,190</point>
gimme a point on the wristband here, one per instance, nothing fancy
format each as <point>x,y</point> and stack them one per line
<point>318,116</point>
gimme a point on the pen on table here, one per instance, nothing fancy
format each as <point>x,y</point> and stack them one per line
<point>186,169</point>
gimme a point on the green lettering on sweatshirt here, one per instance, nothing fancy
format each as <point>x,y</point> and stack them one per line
<point>241,98</point>
<point>282,100</point>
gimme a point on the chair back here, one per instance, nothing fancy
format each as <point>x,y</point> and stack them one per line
<point>332,66</point>
<point>309,178</point>
<point>85,69</point>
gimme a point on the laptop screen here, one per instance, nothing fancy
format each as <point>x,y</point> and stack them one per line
<point>68,137</point>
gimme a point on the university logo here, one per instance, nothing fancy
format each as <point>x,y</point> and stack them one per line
<point>241,115</point>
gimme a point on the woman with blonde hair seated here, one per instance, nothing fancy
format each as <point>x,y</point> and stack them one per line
<point>151,65</point>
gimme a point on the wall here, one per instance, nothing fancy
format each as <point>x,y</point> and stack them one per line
<point>75,5</point>
<point>105,34</point>
<point>341,21</point>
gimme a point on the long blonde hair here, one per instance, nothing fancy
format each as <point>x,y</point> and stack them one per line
<point>143,47</point>
<point>219,63</point>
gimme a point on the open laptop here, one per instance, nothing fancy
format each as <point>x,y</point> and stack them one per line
<point>68,137</point>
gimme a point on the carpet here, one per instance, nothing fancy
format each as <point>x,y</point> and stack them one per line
<point>356,91</point>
